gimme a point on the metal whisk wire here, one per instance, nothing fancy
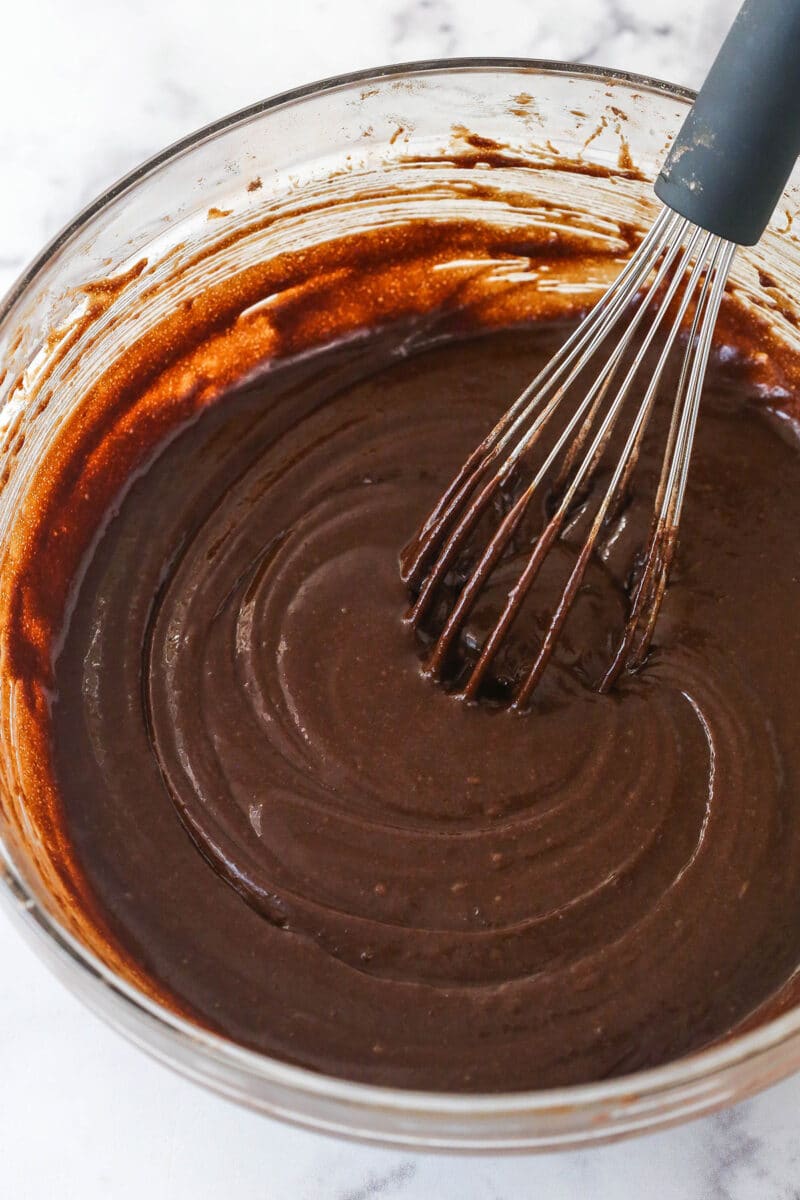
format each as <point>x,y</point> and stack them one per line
<point>672,484</point>
<point>572,357</point>
<point>649,274</point>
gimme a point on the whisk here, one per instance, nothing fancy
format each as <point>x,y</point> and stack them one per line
<point>719,186</point>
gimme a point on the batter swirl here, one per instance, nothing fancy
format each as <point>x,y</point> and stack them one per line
<point>379,881</point>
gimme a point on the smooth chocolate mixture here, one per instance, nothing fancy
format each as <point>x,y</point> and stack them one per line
<point>322,854</point>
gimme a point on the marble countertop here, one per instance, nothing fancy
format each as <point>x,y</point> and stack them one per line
<point>88,89</point>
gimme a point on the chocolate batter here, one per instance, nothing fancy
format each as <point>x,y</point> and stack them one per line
<point>261,810</point>
<point>323,854</point>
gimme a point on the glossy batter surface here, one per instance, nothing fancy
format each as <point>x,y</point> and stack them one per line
<point>322,854</point>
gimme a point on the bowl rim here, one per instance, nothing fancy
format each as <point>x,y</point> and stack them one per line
<point>37,921</point>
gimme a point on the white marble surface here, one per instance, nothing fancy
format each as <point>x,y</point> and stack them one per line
<point>87,89</point>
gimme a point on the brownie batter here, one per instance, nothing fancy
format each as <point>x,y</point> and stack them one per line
<point>321,853</point>
<point>260,810</point>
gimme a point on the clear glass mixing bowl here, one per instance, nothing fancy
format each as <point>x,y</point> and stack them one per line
<point>396,127</point>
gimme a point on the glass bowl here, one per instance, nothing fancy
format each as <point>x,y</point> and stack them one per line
<point>230,195</point>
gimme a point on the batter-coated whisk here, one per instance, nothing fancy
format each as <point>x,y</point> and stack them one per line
<point>719,186</point>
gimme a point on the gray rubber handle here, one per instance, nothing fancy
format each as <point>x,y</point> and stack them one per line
<point>735,151</point>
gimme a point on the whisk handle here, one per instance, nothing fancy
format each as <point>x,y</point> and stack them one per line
<point>735,151</point>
